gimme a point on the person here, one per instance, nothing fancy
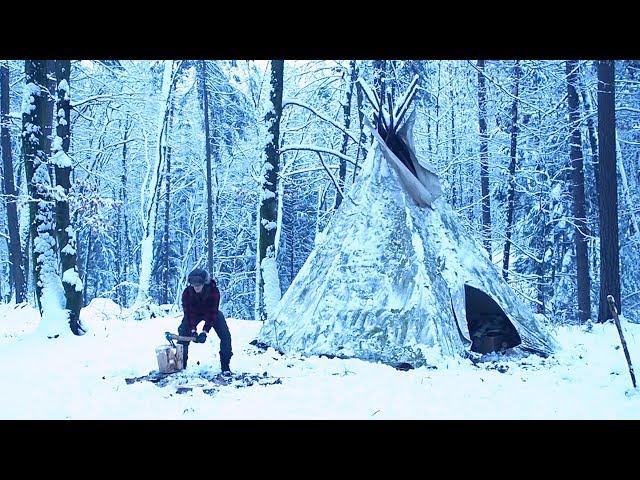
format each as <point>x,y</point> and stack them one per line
<point>200,301</point>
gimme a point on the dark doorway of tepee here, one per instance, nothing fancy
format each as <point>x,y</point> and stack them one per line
<point>489,327</point>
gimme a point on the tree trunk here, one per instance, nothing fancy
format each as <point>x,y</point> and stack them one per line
<point>167,212</point>
<point>542,250</point>
<point>577,184</point>
<point>628,192</point>
<point>267,273</point>
<point>119,260</point>
<point>65,232</point>
<point>45,250</point>
<point>346,109</point>
<point>593,142</point>
<point>363,137</point>
<point>207,140</point>
<point>50,93</point>
<point>455,169</point>
<point>126,251</point>
<point>33,147</point>
<point>87,258</point>
<point>15,257</point>
<point>379,80</point>
<point>24,225</point>
<point>216,153</point>
<point>511,195</point>
<point>484,159</point>
<point>608,190</point>
<point>151,190</point>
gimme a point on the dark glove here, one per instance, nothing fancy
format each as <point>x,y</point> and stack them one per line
<point>201,338</point>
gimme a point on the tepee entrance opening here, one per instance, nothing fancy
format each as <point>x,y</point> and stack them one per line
<point>489,327</point>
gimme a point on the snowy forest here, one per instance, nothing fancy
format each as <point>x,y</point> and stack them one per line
<point>121,176</point>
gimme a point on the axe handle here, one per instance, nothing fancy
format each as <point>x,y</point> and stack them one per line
<point>182,338</point>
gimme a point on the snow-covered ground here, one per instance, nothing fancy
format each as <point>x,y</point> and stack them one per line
<point>84,378</point>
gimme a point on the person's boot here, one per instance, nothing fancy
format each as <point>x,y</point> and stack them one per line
<point>224,366</point>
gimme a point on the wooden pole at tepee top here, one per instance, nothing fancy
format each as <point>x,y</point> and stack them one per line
<point>614,312</point>
<point>396,113</point>
<point>388,124</point>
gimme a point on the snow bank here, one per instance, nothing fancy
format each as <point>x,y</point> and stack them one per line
<point>17,321</point>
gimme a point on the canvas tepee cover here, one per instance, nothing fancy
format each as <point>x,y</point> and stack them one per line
<point>386,282</point>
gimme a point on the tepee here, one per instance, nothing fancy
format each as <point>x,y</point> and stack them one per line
<point>395,278</point>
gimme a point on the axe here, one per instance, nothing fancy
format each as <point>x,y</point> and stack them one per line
<point>180,338</point>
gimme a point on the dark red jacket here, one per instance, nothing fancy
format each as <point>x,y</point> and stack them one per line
<point>201,306</point>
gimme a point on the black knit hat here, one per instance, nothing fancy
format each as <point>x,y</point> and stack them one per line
<point>198,277</point>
